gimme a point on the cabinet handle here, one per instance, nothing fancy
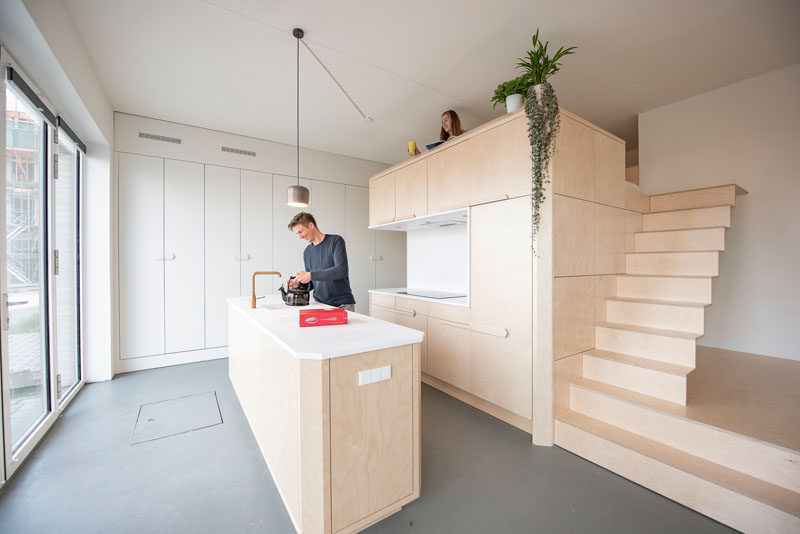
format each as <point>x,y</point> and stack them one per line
<point>454,325</point>
<point>166,258</point>
<point>497,331</point>
<point>410,313</point>
<point>376,258</point>
<point>246,257</point>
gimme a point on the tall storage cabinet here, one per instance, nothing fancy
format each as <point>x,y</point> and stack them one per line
<point>141,255</point>
<point>223,249</point>
<point>184,323</point>
<point>256,230</point>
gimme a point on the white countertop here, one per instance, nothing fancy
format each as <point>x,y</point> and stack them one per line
<point>361,334</point>
<point>395,292</point>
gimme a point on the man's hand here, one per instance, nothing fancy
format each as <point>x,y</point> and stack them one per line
<point>302,277</point>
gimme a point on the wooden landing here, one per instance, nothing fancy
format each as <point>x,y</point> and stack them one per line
<point>752,395</point>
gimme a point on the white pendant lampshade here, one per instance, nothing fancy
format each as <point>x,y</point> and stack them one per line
<point>297,196</point>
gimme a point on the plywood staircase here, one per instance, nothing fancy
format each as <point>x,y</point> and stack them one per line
<point>628,411</point>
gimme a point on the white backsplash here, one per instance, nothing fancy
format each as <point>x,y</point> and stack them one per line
<point>438,258</point>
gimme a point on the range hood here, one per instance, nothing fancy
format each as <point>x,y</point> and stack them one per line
<point>438,220</point>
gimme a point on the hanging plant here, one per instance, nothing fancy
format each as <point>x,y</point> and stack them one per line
<point>541,107</point>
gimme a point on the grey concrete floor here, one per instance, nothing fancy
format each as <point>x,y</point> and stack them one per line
<point>479,475</point>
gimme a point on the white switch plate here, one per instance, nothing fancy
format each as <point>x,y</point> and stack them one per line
<point>370,376</point>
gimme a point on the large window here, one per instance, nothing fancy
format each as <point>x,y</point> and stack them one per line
<point>40,357</point>
<point>25,323</point>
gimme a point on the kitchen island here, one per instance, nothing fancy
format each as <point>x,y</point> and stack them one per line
<point>342,455</point>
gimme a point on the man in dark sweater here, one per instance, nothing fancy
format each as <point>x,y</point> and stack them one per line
<point>325,260</point>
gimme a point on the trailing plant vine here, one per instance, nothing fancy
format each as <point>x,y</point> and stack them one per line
<point>542,112</point>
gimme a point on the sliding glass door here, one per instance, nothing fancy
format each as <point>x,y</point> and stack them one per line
<point>64,298</point>
<point>26,314</point>
<point>40,363</point>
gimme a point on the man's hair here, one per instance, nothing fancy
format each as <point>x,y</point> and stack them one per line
<point>302,218</point>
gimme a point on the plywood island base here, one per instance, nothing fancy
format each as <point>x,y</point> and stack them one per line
<point>343,456</point>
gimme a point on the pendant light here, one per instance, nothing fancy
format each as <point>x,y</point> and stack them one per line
<point>297,194</point>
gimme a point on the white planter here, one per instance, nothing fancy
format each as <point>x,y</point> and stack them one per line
<point>513,102</point>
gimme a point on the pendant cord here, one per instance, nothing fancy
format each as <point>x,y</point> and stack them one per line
<point>298,111</point>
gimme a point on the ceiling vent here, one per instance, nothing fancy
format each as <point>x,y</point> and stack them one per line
<point>239,151</point>
<point>162,138</point>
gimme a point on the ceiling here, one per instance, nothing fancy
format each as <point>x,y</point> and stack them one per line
<point>230,64</point>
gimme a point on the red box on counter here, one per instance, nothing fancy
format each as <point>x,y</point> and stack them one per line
<point>323,317</point>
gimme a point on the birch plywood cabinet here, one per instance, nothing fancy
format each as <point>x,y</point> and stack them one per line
<point>500,328</point>
<point>382,200</point>
<point>500,163</point>
<point>411,189</point>
<point>448,177</point>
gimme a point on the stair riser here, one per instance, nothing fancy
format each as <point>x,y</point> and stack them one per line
<point>676,289</point>
<point>700,198</point>
<point>680,240</point>
<point>750,456</point>
<point>673,263</point>
<point>665,386</point>
<point>728,507</point>
<point>682,220</point>
<point>682,319</point>
<point>651,346</point>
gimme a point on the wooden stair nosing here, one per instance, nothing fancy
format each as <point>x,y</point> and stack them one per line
<point>764,492</point>
<point>680,229</point>
<point>656,302</point>
<point>648,330</point>
<point>699,276</point>
<point>644,363</point>
<point>689,209</point>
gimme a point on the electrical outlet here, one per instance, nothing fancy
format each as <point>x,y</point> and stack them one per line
<point>370,376</point>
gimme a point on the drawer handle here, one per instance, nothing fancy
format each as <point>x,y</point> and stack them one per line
<point>410,313</point>
<point>166,258</point>
<point>462,326</point>
<point>490,330</point>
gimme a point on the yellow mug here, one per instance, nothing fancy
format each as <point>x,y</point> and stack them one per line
<point>412,147</point>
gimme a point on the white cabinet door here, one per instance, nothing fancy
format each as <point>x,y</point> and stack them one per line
<point>287,247</point>
<point>256,228</point>
<point>222,252</point>
<point>390,259</point>
<point>329,207</point>
<point>141,253</point>
<point>183,252</point>
<point>360,245</point>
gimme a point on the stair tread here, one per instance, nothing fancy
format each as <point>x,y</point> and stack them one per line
<point>700,276</point>
<point>654,365</point>
<point>648,330</point>
<point>681,229</point>
<point>660,405</point>
<point>674,252</point>
<point>678,303</point>
<point>755,488</point>
<point>692,209</point>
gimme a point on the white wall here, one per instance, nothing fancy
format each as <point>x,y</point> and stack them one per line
<point>747,133</point>
<point>40,36</point>
<point>438,259</point>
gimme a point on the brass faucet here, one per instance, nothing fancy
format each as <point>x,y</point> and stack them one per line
<point>253,285</point>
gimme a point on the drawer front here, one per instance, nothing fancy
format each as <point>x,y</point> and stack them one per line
<point>379,299</point>
<point>448,312</point>
<point>411,305</point>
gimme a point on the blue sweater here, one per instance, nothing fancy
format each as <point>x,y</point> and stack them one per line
<point>327,263</point>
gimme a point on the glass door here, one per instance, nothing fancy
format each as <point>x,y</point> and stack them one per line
<point>64,297</point>
<point>26,373</point>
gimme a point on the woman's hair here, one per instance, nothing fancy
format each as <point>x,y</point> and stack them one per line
<point>455,123</point>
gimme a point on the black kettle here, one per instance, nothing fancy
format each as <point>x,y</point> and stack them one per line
<point>296,296</point>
